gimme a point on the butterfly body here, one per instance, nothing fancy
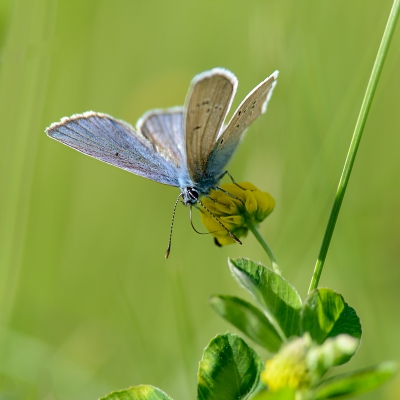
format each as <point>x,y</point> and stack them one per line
<point>186,147</point>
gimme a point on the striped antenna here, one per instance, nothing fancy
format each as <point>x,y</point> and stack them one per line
<point>172,225</point>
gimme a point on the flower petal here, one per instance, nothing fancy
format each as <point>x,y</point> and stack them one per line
<point>235,206</point>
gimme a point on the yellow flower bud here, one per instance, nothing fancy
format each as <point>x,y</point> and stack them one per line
<point>249,206</point>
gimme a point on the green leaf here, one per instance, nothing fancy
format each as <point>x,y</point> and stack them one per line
<point>229,369</point>
<point>279,299</point>
<point>356,382</point>
<point>249,319</point>
<point>326,314</point>
<point>142,392</point>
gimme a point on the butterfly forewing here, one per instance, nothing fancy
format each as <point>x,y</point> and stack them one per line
<point>207,104</point>
<point>164,130</point>
<point>251,108</point>
<point>114,142</point>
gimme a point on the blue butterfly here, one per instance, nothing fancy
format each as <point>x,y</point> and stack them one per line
<point>187,147</point>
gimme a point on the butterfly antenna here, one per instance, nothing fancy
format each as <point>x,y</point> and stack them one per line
<point>191,223</point>
<point>172,225</point>
<point>230,233</point>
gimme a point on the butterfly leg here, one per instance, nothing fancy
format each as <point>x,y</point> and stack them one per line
<point>214,200</point>
<point>230,176</point>
<point>203,212</point>
<point>198,208</point>
<point>229,194</point>
<point>223,226</point>
<point>191,222</point>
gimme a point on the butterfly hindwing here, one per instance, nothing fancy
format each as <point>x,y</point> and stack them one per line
<point>114,142</point>
<point>207,105</point>
<point>164,130</point>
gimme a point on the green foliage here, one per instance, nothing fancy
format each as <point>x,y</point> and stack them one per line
<point>278,299</point>
<point>356,382</point>
<point>326,314</point>
<point>328,332</point>
<point>249,319</point>
<point>142,392</point>
<point>308,338</point>
<point>229,369</point>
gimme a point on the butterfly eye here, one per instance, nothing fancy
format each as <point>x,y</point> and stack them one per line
<point>193,193</point>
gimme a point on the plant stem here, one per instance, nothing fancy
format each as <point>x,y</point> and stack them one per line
<point>265,246</point>
<point>355,141</point>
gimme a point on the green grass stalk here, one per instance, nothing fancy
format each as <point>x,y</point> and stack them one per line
<point>355,141</point>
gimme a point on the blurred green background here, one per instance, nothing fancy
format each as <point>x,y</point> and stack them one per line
<point>87,302</point>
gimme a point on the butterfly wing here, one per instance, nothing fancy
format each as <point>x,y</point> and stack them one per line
<point>114,142</point>
<point>250,109</point>
<point>164,130</point>
<point>208,101</point>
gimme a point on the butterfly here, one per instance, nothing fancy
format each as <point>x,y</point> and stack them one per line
<point>187,147</point>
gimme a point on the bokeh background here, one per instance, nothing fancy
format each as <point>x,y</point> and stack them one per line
<point>87,302</point>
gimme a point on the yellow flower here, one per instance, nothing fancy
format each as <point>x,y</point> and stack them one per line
<point>288,368</point>
<point>250,207</point>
